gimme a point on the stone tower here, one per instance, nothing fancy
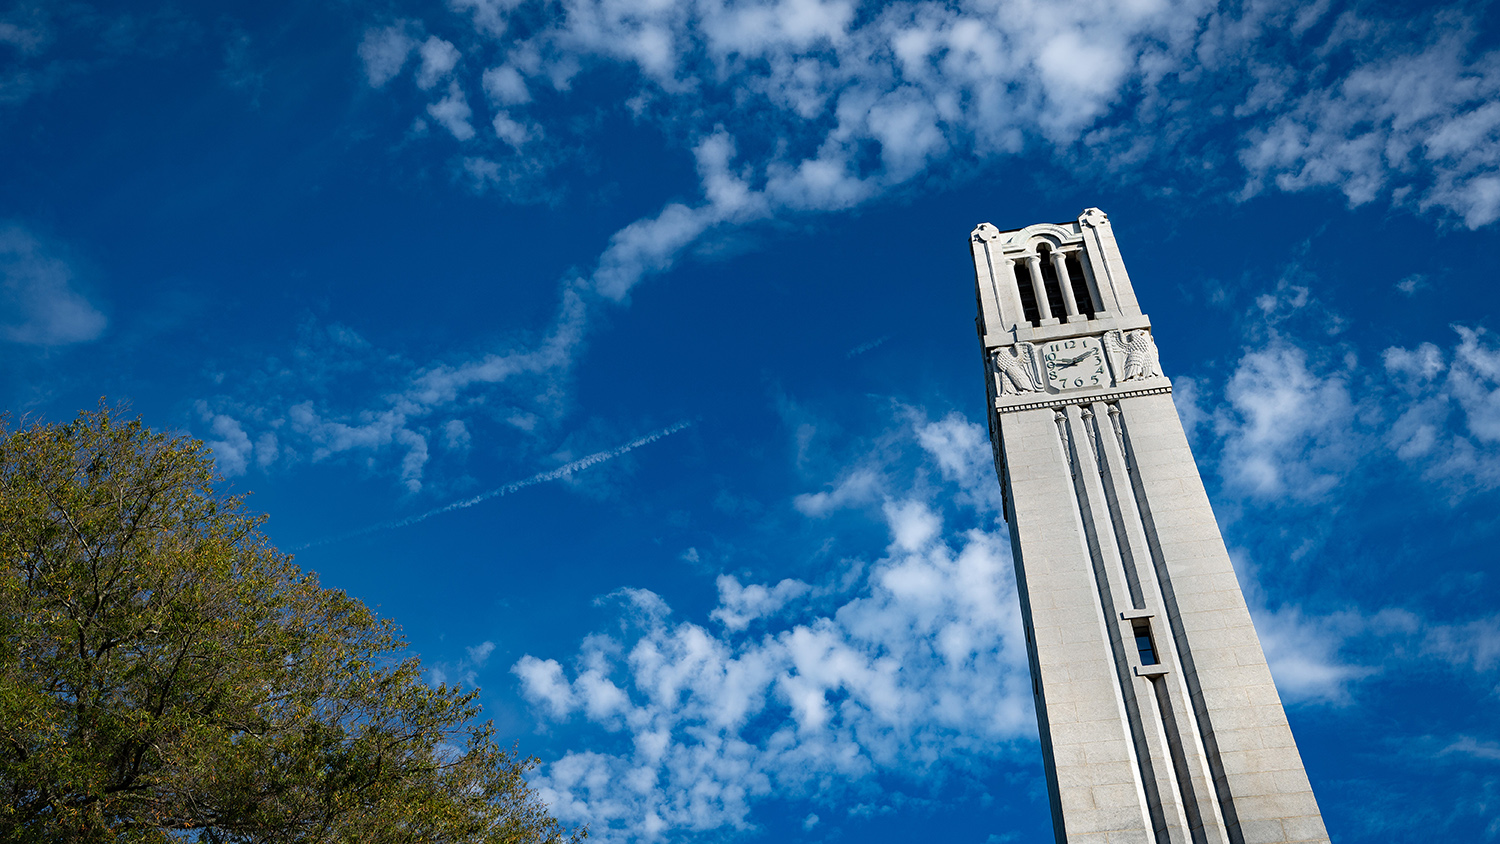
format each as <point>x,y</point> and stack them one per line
<point>1159,721</point>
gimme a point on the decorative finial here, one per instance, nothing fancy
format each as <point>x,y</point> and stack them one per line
<point>985,231</point>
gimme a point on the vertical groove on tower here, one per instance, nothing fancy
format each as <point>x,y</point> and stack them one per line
<point>1183,648</point>
<point>1159,718</point>
<point>1105,563</point>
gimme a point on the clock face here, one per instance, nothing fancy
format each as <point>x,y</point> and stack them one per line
<point>1075,364</point>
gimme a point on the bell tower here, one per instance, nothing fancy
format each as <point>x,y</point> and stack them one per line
<point>1159,720</point>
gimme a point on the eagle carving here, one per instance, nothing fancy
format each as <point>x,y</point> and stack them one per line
<point>1016,367</point>
<point>1139,351</point>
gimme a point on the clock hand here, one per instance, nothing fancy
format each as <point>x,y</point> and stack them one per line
<point>1074,361</point>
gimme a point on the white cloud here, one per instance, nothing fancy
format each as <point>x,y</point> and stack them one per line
<point>439,57</point>
<point>841,107</point>
<point>651,245</point>
<point>833,109</point>
<point>267,449</point>
<point>504,85</point>
<point>480,653</point>
<point>490,16</point>
<point>1310,654</point>
<point>456,435</point>
<point>1186,398</point>
<point>1449,426</point>
<point>26,39</point>
<point>404,398</point>
<point>38,303</point>
<point>1288,432</point>
<point>453,113</point>
<point>740,605</point>
<point>384,51</point>
<point>921,664</point>
<point>915,662</point>
<point>415,458</point>
<point>512,132</point>
<point>1474,645</point>
<point>1411,284</point>
<point>1304,653</point>
<point>862,485</point>
<point>1426,119</point>
<point>1292,424</point>
<point>1470,746</point>
<point>232,448</point>
<point>963,455</point>
<point>927,662</point>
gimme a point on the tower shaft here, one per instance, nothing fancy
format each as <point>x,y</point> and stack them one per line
<point>1158,717</point>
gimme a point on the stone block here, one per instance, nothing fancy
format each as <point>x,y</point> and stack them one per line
<point>1305,829</point>
<point>1262,832</point>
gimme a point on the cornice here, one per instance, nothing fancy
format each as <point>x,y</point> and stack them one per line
<point>1082,398</point>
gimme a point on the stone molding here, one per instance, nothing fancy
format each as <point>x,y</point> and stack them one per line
<point>1063,401</point>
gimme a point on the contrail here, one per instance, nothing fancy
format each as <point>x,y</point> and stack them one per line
<point>540,478</point>
<point>865,347</point>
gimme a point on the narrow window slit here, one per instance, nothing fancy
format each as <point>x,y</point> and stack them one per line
<point>1143,643</point>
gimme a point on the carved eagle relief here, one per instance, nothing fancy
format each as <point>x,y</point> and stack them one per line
<point>1017,369</point>
<point>1139,351</point>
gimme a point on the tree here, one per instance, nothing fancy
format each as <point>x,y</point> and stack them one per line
<point>167,675</point>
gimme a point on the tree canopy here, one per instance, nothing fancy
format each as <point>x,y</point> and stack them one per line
<point>167,675</point>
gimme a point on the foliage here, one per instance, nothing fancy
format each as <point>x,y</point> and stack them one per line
<point>167,675</point>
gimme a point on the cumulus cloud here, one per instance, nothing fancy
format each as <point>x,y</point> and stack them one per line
<point>926,662</point>
<point>231,445</point>
<point>453,113</point>
<point>480,653</point>
<point>489,16</point>
<point>384,51</point>
<point>439,57</point>
<point>800,690</point>
<point>1313,657</point>
<point>456,435</point>
<point>805,106</point>
<point>1305,653</point>
<point>740,605</point>
<point>810,691</point>
<point>1287,430</point>
<point>1427,121</point>
<point>511,131</point>
<point>1449,426</point>
<point>39,304</point>
<point>506,86</point>
<point>1474,644</point>
<point>1293,421</point>
<point>861,485</point>
<point>963,455</point>
<point>839,108</point>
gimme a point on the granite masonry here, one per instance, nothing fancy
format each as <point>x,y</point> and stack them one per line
<point>1159,720</point>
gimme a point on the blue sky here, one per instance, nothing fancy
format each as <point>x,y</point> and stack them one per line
<point>673,300</point>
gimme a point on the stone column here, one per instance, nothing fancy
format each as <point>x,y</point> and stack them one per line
<point>1039,287</point>
<point>1060,266</point>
